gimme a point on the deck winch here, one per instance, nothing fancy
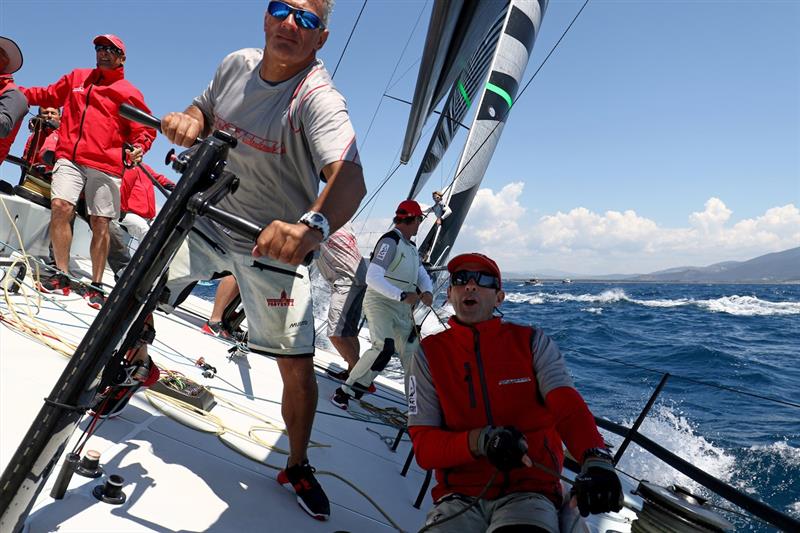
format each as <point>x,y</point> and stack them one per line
<point>675,509</point>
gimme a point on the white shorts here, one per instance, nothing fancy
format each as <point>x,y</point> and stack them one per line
<point>276,296</point>
<point>519,508</point>
<point>101,189</point>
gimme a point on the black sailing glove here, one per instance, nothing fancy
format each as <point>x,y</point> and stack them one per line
<point>597,487</point>
<point>504,447</point>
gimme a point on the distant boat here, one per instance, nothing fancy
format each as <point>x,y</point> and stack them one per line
<point>566,280</point>
<point>532,281</point>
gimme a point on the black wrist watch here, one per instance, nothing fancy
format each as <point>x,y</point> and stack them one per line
<point>403,295</point>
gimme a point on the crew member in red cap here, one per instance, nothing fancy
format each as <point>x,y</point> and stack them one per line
<point>490,400</point>
<point>90,155</point>
<point>396,281</point>
<point>13,104</point>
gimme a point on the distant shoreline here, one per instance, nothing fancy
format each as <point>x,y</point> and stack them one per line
<point>558,281</point>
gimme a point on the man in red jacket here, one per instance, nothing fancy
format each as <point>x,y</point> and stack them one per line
<point>90,156</point>
<point>138,199</point>
<point>13,105</point>
<point>490,403</point>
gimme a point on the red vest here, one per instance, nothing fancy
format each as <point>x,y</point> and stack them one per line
<point>7,84</point>
<point>483,375</point>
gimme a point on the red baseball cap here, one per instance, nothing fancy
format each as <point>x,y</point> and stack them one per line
<point>491,267</point>
<point>109,39</point>
<point>408,208</point>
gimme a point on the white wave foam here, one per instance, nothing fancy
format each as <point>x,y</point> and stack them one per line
<point>675,433</point>
<point>733,305</point>
<point>794,509</point>
<point>749,306</point>
<point>593,310</point>
<point>519,298</point>
<point>788,455</point>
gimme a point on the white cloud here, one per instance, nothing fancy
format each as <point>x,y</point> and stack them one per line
<point>583,241</point>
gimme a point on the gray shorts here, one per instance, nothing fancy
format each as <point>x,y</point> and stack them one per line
<point>101,189</point>
<point>344,312</point>
<point>520,508</point>
<point>276,296</point>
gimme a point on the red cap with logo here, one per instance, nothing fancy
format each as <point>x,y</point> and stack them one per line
<point>109,39</point>
<point>487,263</point>
<point>408,208</point>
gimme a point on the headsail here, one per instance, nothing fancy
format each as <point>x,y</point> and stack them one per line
<point>458,103</point>
<point>456,30</point>
<point>511,58</point>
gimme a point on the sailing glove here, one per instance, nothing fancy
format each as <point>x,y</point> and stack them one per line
<point>597,487</point>
<point>504,447</point>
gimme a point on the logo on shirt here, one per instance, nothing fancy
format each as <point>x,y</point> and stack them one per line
<point>382,251</point>
<point>513,381</point>
<point>412,395</point>
<point>77,89</point>
<point>283,301</point>
<point>250,139</point>
<point>298,324</point>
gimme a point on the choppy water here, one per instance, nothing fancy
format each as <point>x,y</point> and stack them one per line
<point>619,339</point>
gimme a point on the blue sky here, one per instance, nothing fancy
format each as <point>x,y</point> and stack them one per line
<point>658,134</point>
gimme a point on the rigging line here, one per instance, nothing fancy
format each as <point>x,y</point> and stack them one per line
<point>435,111</point>
<point>385,180</point>
<point>396,65</point>
<point>348,39</point>
<point>698,382</point>
<point>497,125</point>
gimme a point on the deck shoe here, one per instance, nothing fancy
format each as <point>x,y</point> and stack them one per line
<point>341,375</point>
<point>310,495</point>
<point>58,282</point>
<point>94,294</point>
<point>216,329</point>
<point>340,399</point>
<point>113,399</point>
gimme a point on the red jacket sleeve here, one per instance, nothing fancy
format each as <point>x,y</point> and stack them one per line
<point>161,178</point>
<point>574,421</point>
<point>54,95</point>
<point>438,448</point>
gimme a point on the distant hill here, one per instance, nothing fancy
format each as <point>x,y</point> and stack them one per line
<point>776,267</point>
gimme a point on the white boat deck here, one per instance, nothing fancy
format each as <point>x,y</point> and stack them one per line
<point>179,478</point>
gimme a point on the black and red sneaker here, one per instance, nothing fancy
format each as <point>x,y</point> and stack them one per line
<point>216,329</point>
<point>309,492</point>
<point>94,296</point>
<point>58,282</point>
<point>112,400</point>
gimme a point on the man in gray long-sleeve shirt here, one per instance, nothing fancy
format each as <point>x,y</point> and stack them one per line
<point>13,104</point>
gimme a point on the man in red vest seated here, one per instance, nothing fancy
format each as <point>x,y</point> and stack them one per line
<point>13,104</point>
<point>490,403</point>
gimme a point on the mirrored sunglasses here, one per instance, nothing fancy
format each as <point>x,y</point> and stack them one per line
<point>107,48</point>
<point>482,279</point>
<point>305,19</point>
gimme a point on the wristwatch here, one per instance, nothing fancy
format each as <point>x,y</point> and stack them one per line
<point>317,221</point>
<point>403,295</point>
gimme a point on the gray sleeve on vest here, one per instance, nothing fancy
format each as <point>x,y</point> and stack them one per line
<point>13,107</point>
<point>548,364</point>
<point>385,251</point>
<point>424,408</point>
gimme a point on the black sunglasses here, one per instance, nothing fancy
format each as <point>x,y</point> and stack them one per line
<point>305,19</point>
<point>107,48</point>
<point>482,279</point>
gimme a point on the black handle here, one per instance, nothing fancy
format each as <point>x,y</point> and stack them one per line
<point>137,115</point>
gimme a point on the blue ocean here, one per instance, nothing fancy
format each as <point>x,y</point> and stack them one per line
<point>730,405</point>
